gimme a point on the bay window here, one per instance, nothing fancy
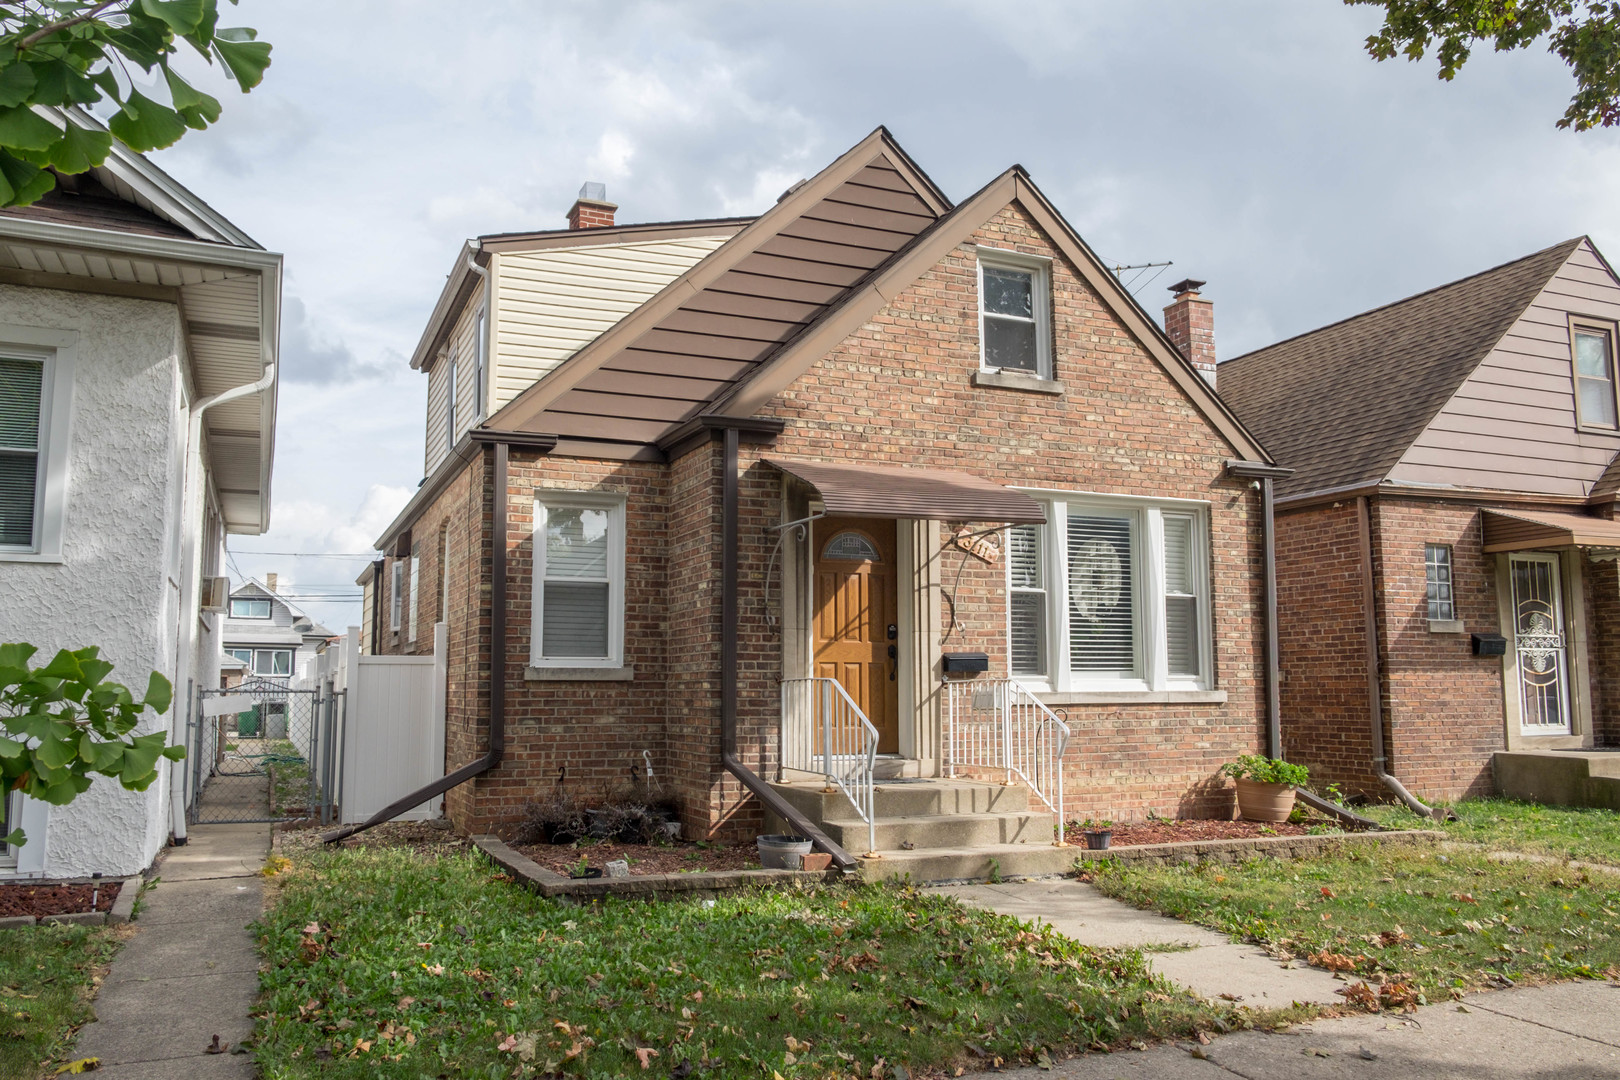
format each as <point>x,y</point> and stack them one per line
<point>1112,594</point>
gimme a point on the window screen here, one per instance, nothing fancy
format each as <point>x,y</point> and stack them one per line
<point>575,600</point>
<point>22,384</point>
<point>1182,646</point>
<point>1011,338</point>
<point>1594,379</point>
<point>1102,609</point>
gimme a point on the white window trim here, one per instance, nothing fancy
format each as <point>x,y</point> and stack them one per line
<point>58,349</point>
<point>614,504</point>
<point>1606,329</point>
<point>450,401</point>
<point>1042,298</point>
<point>33,817</point>
<point>269,608</point>
<point>1151,644</point>
<point>416,589</point>
<point>480,364</point>
<point>272,673</point>
<point>396,587</point>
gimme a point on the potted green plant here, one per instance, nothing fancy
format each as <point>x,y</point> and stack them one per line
<point>583,869</point>
<point>1265,786</point>
<point>1099,833</point>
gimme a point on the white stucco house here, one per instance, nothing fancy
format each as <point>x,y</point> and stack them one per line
<point>138,347</point>
<point>269,634</point>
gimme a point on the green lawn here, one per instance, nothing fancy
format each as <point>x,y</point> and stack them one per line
<point>1435,921</point>
<point>1565,832</point>
<point>385,963</point>
<point>46,975</point>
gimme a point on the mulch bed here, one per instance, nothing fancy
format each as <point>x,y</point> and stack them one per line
<point>645,858</point>
<point>42,900</point>
<point>1188,830</point>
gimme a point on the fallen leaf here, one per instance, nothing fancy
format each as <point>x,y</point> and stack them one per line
<point>74,1068</point>
<point>1316,1051</point>
<point>645,1055</point>
<point>1368,1055</point>
<point>1328,893</point>
<point>216,1047</point>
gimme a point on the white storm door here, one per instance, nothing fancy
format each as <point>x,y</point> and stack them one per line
<point>1540,646</point>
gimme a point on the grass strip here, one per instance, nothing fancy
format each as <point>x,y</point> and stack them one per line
<point>381,963</point>
<point>1432,924</point>
<point>48,975</point>
<point>1583,833</point>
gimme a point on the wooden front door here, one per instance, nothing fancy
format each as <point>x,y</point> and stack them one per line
<point>856,616</point>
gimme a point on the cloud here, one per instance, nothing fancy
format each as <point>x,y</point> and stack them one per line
<point>307,356</point>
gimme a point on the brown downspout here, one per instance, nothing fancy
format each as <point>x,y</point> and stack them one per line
<point>497,645</point>
<point>1375,692</point>
<point>376,602</point>
<point>729,602</point>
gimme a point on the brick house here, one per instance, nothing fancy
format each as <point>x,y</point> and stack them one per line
<point>1446,546</point>
<point>695,484</point>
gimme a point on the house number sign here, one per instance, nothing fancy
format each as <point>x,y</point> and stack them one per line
<point>983,546</point>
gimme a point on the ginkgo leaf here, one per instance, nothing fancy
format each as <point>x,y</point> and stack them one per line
<point>143,124</point>
<point>80,149</point>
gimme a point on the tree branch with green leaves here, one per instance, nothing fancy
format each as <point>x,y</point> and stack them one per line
<point>1584,33</point>
<point>62,723</point>
<point>67,53</point>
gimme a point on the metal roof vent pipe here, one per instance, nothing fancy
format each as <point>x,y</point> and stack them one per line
<point>591,210</point>
<point>1189,322</point>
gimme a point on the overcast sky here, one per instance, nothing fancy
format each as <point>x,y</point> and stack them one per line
<point>1255,144</point>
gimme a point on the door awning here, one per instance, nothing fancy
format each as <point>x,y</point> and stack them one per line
<point>1524,530</point>
<point>934,494</point>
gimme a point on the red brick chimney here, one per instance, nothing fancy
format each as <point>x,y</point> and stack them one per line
<point>1190,323</point>
<point>591,210</point>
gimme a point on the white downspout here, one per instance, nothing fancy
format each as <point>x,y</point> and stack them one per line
<point>191,563</point>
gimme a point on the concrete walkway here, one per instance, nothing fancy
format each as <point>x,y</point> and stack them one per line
<point>190,972</point>
<point>1204,961</point>
<point>1570,1031</point>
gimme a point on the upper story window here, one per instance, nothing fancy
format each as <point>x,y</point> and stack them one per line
<point>1015,299</point>
<point>247,607</point>
<point>1111,594</point>
<point>578,580</point>
<point>396,594</point>
<point>480,366</point>
<point>1595,405</point>
<point>450,401</point>
<point>1437,575</point>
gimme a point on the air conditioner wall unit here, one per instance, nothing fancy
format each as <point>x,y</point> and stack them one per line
<point>216,593</point>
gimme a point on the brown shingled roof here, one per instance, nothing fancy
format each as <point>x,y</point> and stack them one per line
<point>1340,405</point>
<point>83,200</point>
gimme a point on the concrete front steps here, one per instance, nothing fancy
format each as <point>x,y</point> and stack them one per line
<point>938,830</point>
<point>1560,777</point>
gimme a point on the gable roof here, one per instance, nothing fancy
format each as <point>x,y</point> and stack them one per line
<point>737,328</point>
<point>253,587</point>
<point>1342,404</point>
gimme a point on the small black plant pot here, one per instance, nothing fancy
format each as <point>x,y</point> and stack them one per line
<point>1099,839</point>
<point>588,872</point>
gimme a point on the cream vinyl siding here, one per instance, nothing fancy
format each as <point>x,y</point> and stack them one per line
<point>552,303</point>
<point>1511,425</point>
<point>462,342</point>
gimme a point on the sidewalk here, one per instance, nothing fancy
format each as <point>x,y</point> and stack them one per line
<point>1567,1031</point>
<point>190,972</point>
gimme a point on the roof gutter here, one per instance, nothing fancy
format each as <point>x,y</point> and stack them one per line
<point>502,442</point>
<point>1375,692</point>
<point>729,593</point>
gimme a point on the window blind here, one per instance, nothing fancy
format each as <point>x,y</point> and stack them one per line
<point>1102,611</point>
<point>575,600</point>
<point>1180,599</point>
<point>22,385</point>
<point>1027,602</point>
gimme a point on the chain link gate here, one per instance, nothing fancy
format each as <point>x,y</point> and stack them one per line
<point>271,757</point>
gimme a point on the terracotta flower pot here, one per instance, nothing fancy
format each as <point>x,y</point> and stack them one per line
<point>1264,802</point>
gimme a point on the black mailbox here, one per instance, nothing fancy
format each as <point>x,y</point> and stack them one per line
<point>1490,645</point>
<point>967,661</point>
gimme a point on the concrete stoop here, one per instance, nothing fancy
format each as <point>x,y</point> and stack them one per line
<point>1560,777</point>
<point>939,830</point>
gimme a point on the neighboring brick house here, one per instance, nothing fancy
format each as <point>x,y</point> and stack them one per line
<point>1455,481</point>
<point>662,400</point>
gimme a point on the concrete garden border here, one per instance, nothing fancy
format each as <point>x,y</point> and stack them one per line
<point>123,908</point>
<point>548,883</point>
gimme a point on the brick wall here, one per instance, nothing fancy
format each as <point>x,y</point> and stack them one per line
<point>1442,704</point>
<point>1603,643</point>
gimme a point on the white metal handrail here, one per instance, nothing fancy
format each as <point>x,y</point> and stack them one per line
<point>824,731</point>
<point>999,725</point>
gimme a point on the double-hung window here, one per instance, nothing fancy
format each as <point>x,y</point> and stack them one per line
<point>578,580</point>
<point>1595,402</point>
<point>1112,594</point>
<point>1015,300</point>
<point>396,594</point>
<point>480,366</point>
<point>36,395</point>
<point>450,401</point>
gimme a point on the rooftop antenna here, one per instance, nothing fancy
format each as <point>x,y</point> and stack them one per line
<point>1120,270</point>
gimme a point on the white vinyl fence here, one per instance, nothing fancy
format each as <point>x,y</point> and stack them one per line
<point>388,734</point>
